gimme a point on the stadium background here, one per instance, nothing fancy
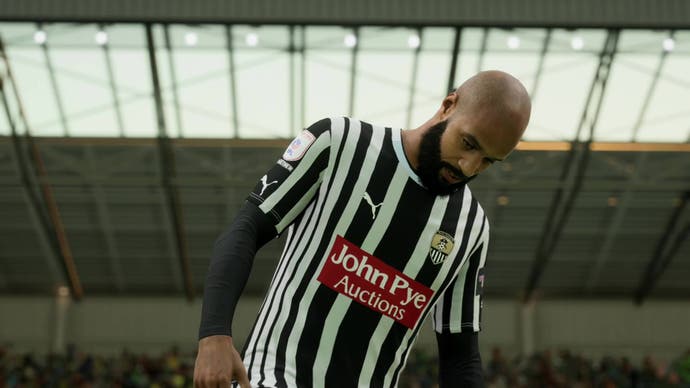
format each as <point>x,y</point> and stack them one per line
<point>131,131</point>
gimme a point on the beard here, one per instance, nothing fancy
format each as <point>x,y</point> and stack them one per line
<point>430,163</point>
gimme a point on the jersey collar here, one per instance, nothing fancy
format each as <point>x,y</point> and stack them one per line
<point>402,159</point>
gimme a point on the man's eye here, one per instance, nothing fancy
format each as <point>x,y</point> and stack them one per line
<point>467,144</point>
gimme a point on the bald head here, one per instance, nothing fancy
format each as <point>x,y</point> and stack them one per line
<point>499,98</point>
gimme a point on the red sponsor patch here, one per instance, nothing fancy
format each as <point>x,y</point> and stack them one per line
<point>370,282</point>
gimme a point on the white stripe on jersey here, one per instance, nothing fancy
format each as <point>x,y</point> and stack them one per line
<point>457,293</point>
<point>441,276</point>
<point>285,289</point>
<point>342,303</point>
<point>269,307</point>
<point>339,182</point>
<point>477,298</point>
<point>413,266</point>
<point>322,142</point>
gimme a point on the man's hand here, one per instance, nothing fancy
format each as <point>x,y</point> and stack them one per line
<point>218,363</point>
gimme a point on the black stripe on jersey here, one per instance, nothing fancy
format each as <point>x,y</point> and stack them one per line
<point>448,300</point>
<point>394,247</point>
<point>427,274</point>
<point>280,361</point>
<point>297,190</point>
<point>468,293</point>
<point>349,349</point>
<point>324,297</point>
<point>383,173</point>
<point>341,202</point>
<point>444,286</point>
<point>293,240</point>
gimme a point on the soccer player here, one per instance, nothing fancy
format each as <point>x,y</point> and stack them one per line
<point>382,231</point>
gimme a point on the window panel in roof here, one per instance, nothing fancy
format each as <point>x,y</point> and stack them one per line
<point>4,125</point>
<point>126,35</point>
<point>132,76</point>
<point>528,39</point>
<point>470,48</point>
<point>327,84</point>
<point>74,35</point>
<point>382,86</point>
<point>669,110</point>
<point>11,113</point>
<point>522,61</point>
<point>17,34</point>
<point>203,90</point>
<point>563,88</point>
<point>35,90</point>
<point>558,105</point>
<point>263,89</point>
<point>326,37</point>
<point>84,91</point>
<point>630,78</point>
<point>327,73</point>
<point>207,36</point>
<point>432,73</point>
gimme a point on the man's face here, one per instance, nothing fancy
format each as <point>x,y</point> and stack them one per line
<point>453,151</point>
<point>433,171</point>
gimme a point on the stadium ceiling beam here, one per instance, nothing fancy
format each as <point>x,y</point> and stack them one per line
<point>303,79</point>
<point>594,184</point>
<point>489,206</point>
<point>292,98</point>
<point>540,64</point>
<point>680,148</point>
<point>482,49</point>
<point>413,80</point>
<point>454,60</point>
<point>501,13</point>
<point>230,44</point>
<point>573,171</point>
<point>113,254</point>
<point>113,85</point>
<point>614,226</point>
<point>173,83</point>
<point>54,85</point>
<point>51,231</point>
<point>650,92</point>
<point>626,197</point>
<point>353,71</point>
<point>671,239</point>
<point>168,172</point>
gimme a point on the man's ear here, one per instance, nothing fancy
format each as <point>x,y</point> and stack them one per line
<point>448,105</point>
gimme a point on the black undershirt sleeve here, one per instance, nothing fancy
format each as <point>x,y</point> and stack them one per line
<point>231,262</point>
<point>460,364</point>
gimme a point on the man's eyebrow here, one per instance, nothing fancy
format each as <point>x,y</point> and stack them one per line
<point>478,146</point>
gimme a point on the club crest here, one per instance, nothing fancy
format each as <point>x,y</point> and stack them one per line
<point>441,245</point>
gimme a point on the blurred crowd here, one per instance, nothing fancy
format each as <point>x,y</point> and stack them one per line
<point>562,369</point>
<point>75,369</point>
<point>173,369</point>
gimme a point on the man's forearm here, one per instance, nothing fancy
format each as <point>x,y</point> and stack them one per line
<point>460,364</point>
<point>231,263</point>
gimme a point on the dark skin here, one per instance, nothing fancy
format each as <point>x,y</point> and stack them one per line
<point>486,118</point>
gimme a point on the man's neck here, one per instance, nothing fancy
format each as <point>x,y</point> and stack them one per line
<point>411,139</point>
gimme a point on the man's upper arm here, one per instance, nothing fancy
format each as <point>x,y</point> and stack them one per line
<point>286,189</point>
<point>459,308</point>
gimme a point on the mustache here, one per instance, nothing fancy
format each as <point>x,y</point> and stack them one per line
<point>456,171</point>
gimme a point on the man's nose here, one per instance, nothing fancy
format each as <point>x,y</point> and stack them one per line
<point>470,165</point>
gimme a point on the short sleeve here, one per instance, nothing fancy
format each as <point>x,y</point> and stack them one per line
<point>286,189</point>
<point>459,309</point>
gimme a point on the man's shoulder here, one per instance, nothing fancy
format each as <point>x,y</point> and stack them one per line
<point>480,209</point>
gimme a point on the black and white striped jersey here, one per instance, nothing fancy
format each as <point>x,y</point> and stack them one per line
<point>369,254</point>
